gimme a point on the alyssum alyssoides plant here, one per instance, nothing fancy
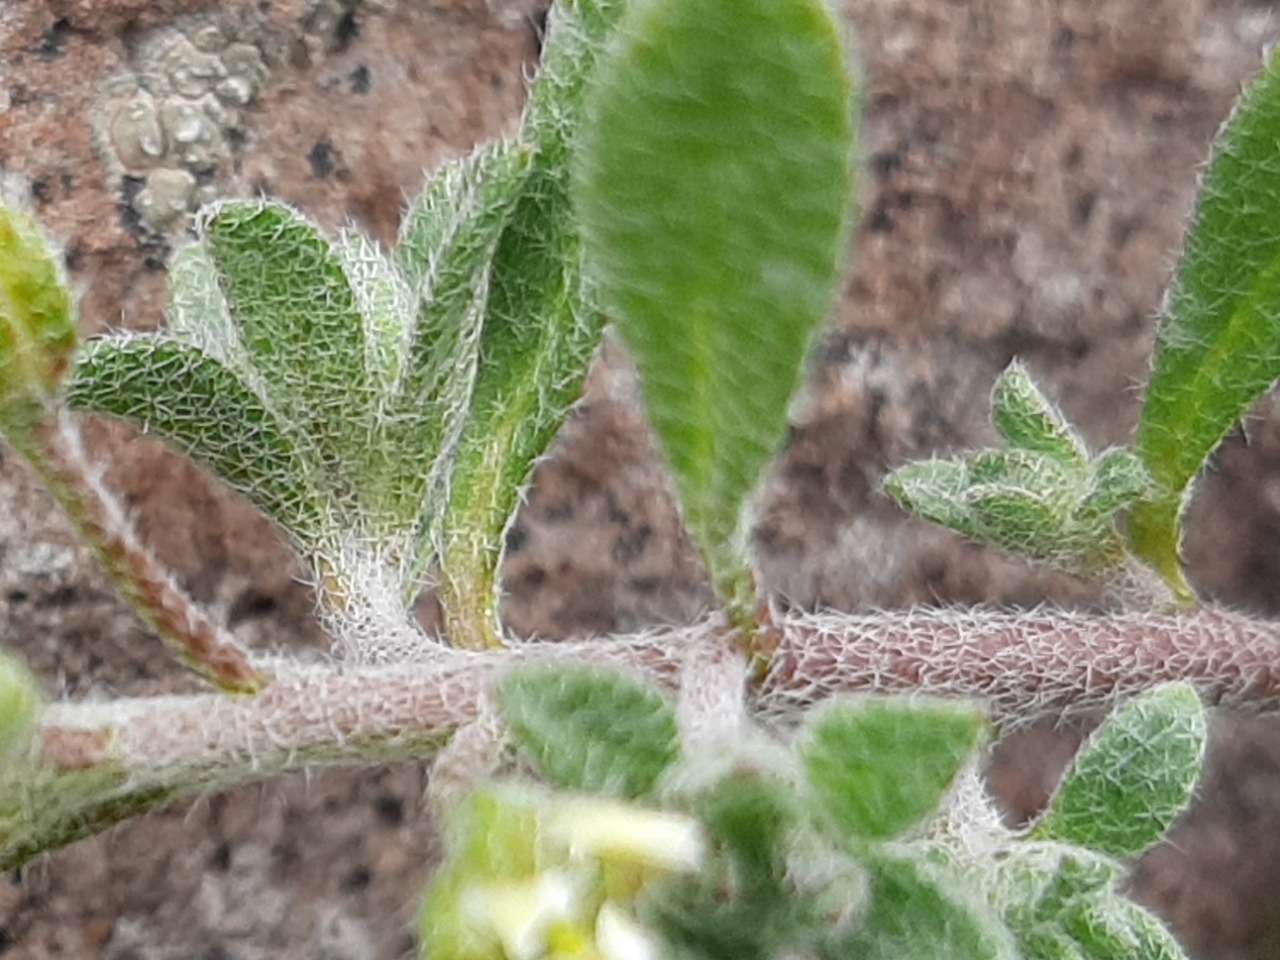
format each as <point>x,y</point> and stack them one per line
<point>743,787</point>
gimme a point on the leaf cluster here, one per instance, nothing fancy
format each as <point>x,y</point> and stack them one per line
<point>1040,495</point>
<point>861,835</point>
<point>1217,352</point>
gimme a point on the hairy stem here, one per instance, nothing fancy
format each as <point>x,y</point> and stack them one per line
<point>54,448</point>
<point>1023,665</point>
<point>102,762</point>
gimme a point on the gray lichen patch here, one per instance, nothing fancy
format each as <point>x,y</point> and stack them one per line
<point>164,130</point>
<point>167,196</point>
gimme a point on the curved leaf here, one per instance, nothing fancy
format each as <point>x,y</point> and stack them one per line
<point>300,323</point>
<point>1028,420</point>
<point>1218,344</point>
<point>1064,903</point>
<point>915,912</point>
<point>1133,777</point>
<point>540,331</point>
<point>446,249</point>
<point>209,413</point>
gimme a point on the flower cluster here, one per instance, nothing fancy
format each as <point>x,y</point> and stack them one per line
<point>533,875</point>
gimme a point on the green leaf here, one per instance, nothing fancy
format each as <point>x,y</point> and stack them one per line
<point>208,411</point>
<point>20,703</point>
<point>935,490</point>
<point>1049,943</point>
<point>1112,928</point>
<point>1048,476</point>
<point>447,243</point>
<point>1064,903</point>
<point>387,304</point>
<point>1018,520</point>
<point>917,912</point>
<point>1028,420</point>
<point>878,767</point>
<point>590,729</point>
<point>540,332</point>
<point>198,314</point>
<point>300,323</point>
<point>1119,478</point>
<point>1218,343</point>
<point>743,903</point>
<point>37,321</point>
<point>1133,777</point>
<point>713,189</point>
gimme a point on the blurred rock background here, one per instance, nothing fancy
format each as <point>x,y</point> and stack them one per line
<point>1029,167</point>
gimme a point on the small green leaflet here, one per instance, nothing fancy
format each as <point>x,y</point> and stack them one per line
<point>880,766</point>
<point>916,912</point>
<point>591,729</point>
<point>1133,777</point>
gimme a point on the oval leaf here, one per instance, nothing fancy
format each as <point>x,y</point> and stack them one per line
<point>1064,903</point>
<point>713,186</point>
<point>1019,520</point>
<point>879,767</point>
<point>300,323</point>
<point>1133,777</point>
<point>1218,344</point>
<point>935,490</point>
<point>590,729</point>
<point>446,249</point>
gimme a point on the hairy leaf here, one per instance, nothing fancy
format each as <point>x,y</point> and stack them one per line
<point>917,912</point>
<point>878,767</point>
<point>540,329</point>
<point>1113,928</point>
<point>1218,343</point>
<point>591,729</point>
<point>37,321</point>
<point>198,314</point>
<point>1028,420</point>
<point>713,189</point>
<point>387,304</point>
<point>1133,777</point>
<point>743,903</point>
<point>447,243</point>
<point>935,490</point>
<point>1039,497</point>
<point>301,325</point>
<point>1063,903</point>
<point>1017,519</point>
<point>1119,478</point>
<point>209,412</point>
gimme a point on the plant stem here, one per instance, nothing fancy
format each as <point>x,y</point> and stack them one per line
<point>54,448</point>
<point>102,762</point>
<point>1022,666</point>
